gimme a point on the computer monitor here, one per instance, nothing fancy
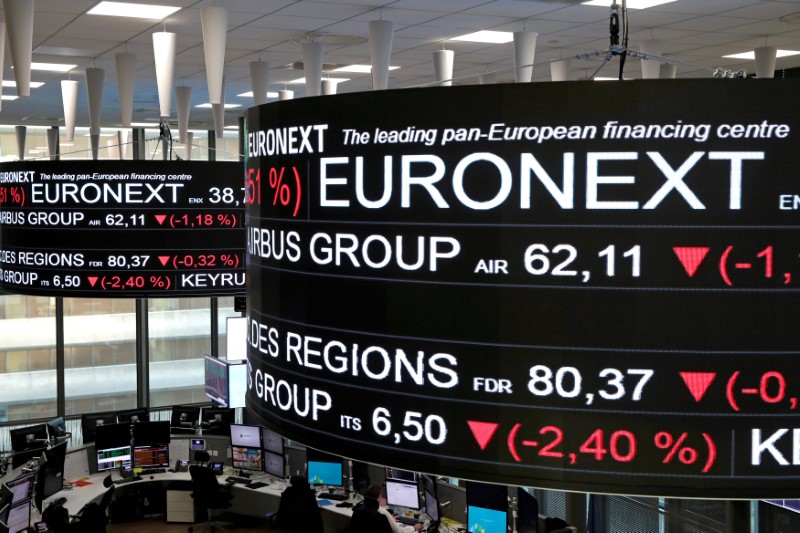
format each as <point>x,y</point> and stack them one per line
<point>89,421</point>
<point>401,475</point>
<point>50,476</point>
<point>246,458</point>
<point>527,512</point>
<point>273,464</point>
<point>430,488</point>
<point>21,488</point>
<point>185,419</point>
<point>29,438</point>
<point>402,494</point>
<point>217,421</point>
<point>113,446</point>
<point>271,441</point>
<point>324,468</point>
<point>151,444</point>
<point>19,517</point>
<point>245,435</point>
<point>360,473</point>
<point>133,416</point>
<point>57,430</point>
<point>487,507</point>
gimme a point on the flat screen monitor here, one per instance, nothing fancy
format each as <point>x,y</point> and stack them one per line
<point>273,464</point>
<point>401,475</point>
<point>4,510</point>
<point>246,458</point>
<point>216,380</point>
<point>431,490</point>
<point>89,421</point>
<point>113,446</point>
<point>402,494</point>
<point>154,456</point>
<point>271,441</point>
<point>483,520</point>
<point>29,438</point>
<point>487,495</point>
<point>527,512</point>
<point>150,433</point>
<point>50,477</point>
<point>21,488</point>
<point>237,384</point>
<point>133,416</point>
<point>217,421</point>
<point>185,419</point>
<point>236,337</point>
<point>245,435</point>
<point>360,473</point>
<point>19,517</point>
<point>57,429</point>
<point>323,468</point>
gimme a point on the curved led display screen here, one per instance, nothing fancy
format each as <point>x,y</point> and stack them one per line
<point>117,229</point>
<point>581,286</point>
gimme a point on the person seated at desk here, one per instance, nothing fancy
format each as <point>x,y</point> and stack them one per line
<point>367,519</point>
<point>298,511</point>
<point>374,491</point>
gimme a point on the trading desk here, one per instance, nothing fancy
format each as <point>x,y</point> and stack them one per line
<point>246,501</point>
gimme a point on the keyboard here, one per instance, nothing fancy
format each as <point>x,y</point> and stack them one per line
<point>330,496</point>
<point>239,479</point>
<point>407,520</point>
<point>127,480</point>
<point>257,485</point>
<point>149,471</point>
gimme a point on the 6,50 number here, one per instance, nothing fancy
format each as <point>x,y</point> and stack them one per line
<point>416,426</point>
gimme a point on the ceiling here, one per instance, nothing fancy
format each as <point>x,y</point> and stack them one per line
<point>696,33</point>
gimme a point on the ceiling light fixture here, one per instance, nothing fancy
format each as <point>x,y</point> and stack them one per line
<point>249,94</point>
<point>126,9</point>
<point>52,67</point>
<point>303,80</point>
<point>8,97</point>
<point>361,69</point>
<point>632,4</point>
<point>752,55</point>
<point>227,106</point>
<point>486,36</point>
<point>12,83</point>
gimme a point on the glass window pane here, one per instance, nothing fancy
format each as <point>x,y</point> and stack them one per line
<point>27,357</point>
<point>99,354</point>
<point>180,335</point>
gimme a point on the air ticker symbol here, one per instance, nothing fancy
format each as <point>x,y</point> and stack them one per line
<point>690,257</point>
<point>483,431</point>
<point>698,382</point>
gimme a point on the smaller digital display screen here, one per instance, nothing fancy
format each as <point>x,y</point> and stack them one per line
<point>271,441</point>
<point>236,337</point>
<point>237,384</point>
<point>246,458</point>
<point>112,458</point>
<point>527,512</point>
<point>482,520</point>
<point>402,494</point>
<point>150,433</point>
<point>151,456</point>
<point>216,385</point>
<point>273,464</point>
<point>242,435</point>
<point>401,475</point>
<point>431,506</point>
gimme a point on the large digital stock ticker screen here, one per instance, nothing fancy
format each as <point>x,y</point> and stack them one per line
<point>579,285</point>
<point>119,229</point>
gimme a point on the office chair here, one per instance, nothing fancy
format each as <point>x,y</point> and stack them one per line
<point>201,457</point>
<point>209,494</point>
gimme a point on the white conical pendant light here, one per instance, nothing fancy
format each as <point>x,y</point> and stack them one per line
<point>183,101</point>
<point>259,78</point>
<point>214,21</point>
<point>524,53</point>
<point>380,51</point>
<point>312,67</point>
<point>443,66</point>
<point>126,69</point>
<point>69,97</point>
<point>164,53</point>
<point>19,20</point>
<point>94,88</point>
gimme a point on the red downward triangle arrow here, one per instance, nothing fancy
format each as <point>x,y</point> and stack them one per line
<point>161,218</point>
<point>698,382</point>
<point>164,259</point>
<point>483,431</point>
<point>92,280</point>
<point>691,257</point>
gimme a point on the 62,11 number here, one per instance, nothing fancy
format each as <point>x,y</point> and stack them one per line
<point>540,260</point>
<point>416,426</point>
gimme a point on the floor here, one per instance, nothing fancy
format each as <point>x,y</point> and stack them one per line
<point>158,524</point>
